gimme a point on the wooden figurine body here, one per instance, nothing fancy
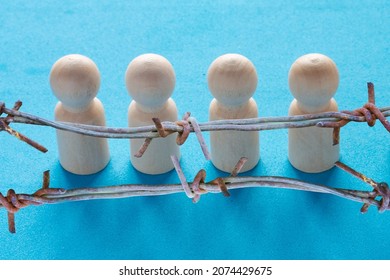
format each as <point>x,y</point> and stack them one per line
<point>313,80</point>
<point>150,80</point>
<point>75,80</point>
<point>232,80</point>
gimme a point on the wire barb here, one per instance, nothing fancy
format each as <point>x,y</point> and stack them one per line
<point>380,189</point>
<point>369,111</point>
<point>194,190</point>
<point>4,126</point>
<point>143,148</point>
<point>240,164</point>
<point>199,179</point>
<point>12,202</point>
<point>188,125</point>
<point>183,135</point>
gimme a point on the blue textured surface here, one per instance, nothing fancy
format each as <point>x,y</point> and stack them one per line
<point>252,223</point>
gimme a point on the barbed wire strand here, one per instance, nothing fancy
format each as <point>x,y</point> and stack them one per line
<point>13,202</point>
<point>368,113</point>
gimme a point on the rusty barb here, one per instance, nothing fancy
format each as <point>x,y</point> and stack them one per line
<point>194,190</point>
<point>12,202</point>
<point>4,126</point>
<point>369,111</point>
<point>380,189</point>
<point>187,123</point>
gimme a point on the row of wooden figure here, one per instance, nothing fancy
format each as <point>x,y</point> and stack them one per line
<point>232,80</point>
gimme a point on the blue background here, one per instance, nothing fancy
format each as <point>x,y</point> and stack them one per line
<point>252,223</point>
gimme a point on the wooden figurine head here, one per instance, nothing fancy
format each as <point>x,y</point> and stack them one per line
<point>150,80</point>
<point>313,80</point>
<point>232,79</point>
<point>75,81</point>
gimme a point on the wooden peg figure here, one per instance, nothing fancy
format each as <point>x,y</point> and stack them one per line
<point>232,80</point>
<point>313,80</point>
<point>75,81</point>
<point>150,81</point>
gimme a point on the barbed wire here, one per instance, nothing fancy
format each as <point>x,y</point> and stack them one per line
<point>13,202</point>
<point>369,113</point>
